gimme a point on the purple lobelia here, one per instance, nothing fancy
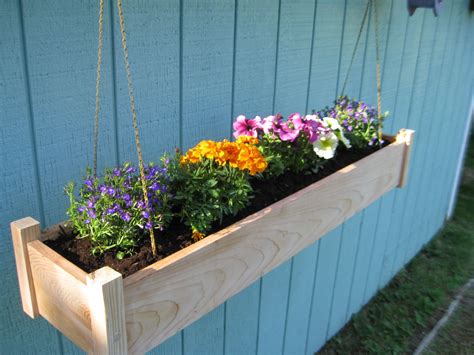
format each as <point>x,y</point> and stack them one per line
<point>110,211</point>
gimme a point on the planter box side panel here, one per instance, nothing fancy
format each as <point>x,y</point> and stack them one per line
<point>167,296</point>
<point>61,294</point>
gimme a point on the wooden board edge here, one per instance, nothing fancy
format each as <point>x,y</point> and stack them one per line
<point>215,237</point>
<point>23,231</point>
<point>106,294</point>
<point>406,137</point>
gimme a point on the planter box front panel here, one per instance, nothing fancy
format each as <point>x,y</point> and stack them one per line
<point>174,292</point>
<point>102,314</point>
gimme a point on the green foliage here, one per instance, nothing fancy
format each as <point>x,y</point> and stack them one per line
<point>111,211</point>
<point>282,156</point>
<point>205,192</point>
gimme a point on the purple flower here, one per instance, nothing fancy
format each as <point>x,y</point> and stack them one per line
<point>81,209</point>
<point>125,216</point>
<point>102,188</point>
<point>87,221</point>
<point>149,225</point>
<point>117,172</point>
<point>92,214</point>
<point>146,214</point>
<point>141,204</point>
<point>155,186</point>
<point>89,183</point>
<point>111,191</point>
<point>90,203</point>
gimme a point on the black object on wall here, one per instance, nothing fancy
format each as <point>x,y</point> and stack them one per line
<point>430,4</point>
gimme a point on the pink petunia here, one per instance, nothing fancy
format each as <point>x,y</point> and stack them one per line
<point>246,127</point>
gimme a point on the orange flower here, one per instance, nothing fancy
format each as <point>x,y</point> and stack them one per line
<point>242,154</point>
<point>197,236</point>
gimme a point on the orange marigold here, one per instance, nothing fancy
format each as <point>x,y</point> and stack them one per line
<point>242,154</point>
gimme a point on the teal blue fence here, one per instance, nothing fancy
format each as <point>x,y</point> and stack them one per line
<point>196,65</point>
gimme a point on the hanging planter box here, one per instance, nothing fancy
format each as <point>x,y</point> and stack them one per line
<point>105,314</point>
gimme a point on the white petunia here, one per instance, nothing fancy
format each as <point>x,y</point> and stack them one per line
<point>331,123</point>
<point>334,125</point>
<point>343,139</point>
<point>325,146</point>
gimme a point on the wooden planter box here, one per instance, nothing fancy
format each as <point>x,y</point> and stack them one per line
<point>105,314</point>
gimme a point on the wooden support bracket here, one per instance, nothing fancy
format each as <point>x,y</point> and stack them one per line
<point>405,136</point>
<point>24,231</point>
<point>107,308</point>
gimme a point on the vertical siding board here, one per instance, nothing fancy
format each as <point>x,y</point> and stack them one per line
<point>350,242</point>
<point>63,88</point>
<point>206,335</point>
<point>453,131</point>
<point>438,53</point>
<point>294,51</point>
<point>19,193</point>
<point>172,346</point>
<point>152,36</point>
<point>324,280</point>
<point>344,273</point>
<point>401,119</point>
<point>208,35</point>
<point>241,321</point>
<point>430,225</point>
<point>326,51</point>
<point>421,96</point>
<point>352,22</point>
<point>208,42</point>
<point>299,302</point>
<point>370,214</point>
<point>254,78</point>
<point>391,75</point>
<point>414,117</point>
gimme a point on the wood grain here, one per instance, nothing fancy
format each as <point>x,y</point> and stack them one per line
<point>107,311</point>
<point>62,294</point>
<point>24,231</point>
<point>172,293</point>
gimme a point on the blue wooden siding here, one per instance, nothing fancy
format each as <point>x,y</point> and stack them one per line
<point>196,65</point>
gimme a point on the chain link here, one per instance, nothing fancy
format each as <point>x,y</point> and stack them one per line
<point>97,84</point>
<point>377,69</point>
<point>141,165</point>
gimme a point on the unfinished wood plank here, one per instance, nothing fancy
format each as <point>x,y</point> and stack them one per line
<point>172,293</point>
<point>61,293</point>
<point>107,311</point>
<point>24,231</point>
<point>405,136</point>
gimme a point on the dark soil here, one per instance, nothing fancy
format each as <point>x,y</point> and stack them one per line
<point>178,236</point>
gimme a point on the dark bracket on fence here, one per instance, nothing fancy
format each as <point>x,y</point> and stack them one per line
<point>429,4</point>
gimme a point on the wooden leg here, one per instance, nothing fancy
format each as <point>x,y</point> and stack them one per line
<point>406,136</point>
<point>24,231</point>
<point>107,312</point>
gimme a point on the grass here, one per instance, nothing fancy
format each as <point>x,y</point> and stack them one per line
<point>397,318</point>
<point>457,336</point>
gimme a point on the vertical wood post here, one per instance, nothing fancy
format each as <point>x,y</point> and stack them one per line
<point>405,136</point>
<point>107,312</point>
<point>23,231</point>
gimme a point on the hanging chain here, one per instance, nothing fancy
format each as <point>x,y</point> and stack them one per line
<point>377,69</point>
<point>364,19</point>
<point>141,166</point>
<point>97,85</point>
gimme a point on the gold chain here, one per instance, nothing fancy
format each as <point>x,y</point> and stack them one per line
<point>97,84</point>
<point>141,166</point>
<point>377,69</point>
